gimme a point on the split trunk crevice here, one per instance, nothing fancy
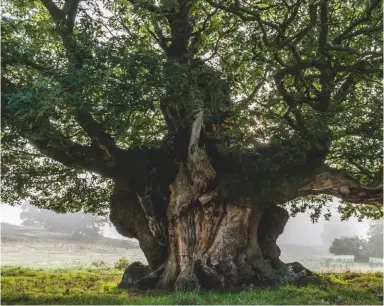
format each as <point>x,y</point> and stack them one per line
<point>205,241</point>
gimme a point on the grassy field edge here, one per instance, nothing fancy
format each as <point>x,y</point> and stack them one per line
<point>85,286</point>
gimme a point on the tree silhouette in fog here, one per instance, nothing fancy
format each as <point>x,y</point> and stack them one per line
<point>361,249</point>
<point>78,225</point>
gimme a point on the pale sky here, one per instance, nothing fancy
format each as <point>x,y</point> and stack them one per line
<point>10,214</point>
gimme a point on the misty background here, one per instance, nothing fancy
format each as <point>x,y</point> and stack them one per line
<point>299,230</point>
<point>42,238</point>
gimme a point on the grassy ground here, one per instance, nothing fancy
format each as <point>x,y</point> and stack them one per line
<point>97,286</point>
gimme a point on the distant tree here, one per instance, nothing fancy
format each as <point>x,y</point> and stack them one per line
<point>360,248</point>
<point>350,246</point>
<point>78,225</point>
<point>375,239</point>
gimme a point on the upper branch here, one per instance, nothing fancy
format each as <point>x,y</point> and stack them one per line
<point>64,19</point>
<point>197,35</point>
<point>348,31</point>
<point>362,31</point>
<point>94,129</point>
<point>149,7</point>
<point>159,37</point>
<point>323,37</point>
<point>234,10</point>
<point>243,12</point>
<point>313,18</point>
<point>70,8</point>
<point>56,13</point>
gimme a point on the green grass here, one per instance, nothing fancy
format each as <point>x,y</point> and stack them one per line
<point>99,286</point>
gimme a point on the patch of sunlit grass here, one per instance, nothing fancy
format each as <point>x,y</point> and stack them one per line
<point>99,286</point>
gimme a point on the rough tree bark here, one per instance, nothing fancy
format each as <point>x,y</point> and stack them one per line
<point>210,243</point>
<point>205,241</point>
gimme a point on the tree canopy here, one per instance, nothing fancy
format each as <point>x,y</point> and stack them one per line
<point>85,85</point>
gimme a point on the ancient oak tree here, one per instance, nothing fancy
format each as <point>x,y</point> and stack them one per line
<point>193,123</point>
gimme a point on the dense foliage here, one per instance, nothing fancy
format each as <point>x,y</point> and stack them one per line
<point>81,77</point>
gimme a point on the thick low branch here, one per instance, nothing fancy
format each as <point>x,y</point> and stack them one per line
<point>68,153</point>
<point>340,184</point>
<point>51,142</point>
<point>56,146</point>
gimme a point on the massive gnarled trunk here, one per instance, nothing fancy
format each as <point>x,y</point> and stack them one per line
<point>203,240</point>
<point>195,235</point>
<point>214,244</point>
